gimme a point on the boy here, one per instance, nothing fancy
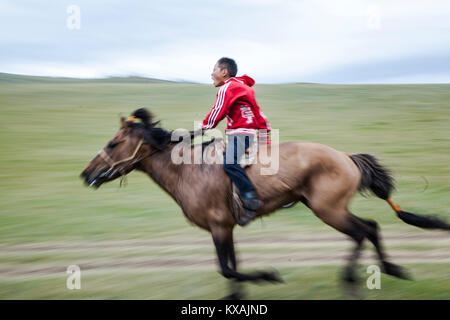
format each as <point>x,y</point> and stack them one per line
<point>236,101</point>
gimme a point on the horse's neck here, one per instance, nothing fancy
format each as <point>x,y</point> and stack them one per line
<point>175,179</point>
<point>161,169</point>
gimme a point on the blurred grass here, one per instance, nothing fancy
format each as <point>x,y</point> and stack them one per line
<point>313,283</point>
<point>50,130</point>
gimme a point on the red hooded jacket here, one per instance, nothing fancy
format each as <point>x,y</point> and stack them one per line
<point>236,101</point>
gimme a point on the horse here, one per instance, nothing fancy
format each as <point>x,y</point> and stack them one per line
<point>322,178</point>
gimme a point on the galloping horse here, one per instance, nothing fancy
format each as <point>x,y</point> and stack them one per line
<point>322,178</point>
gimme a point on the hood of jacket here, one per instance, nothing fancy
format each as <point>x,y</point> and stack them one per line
<point>245,79</point>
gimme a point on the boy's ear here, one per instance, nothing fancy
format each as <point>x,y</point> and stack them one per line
<point>224,72</point>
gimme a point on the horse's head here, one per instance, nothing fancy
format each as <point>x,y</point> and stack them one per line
<point>133,142</point>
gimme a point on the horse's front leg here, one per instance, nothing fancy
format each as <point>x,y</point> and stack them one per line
<point>223,240</point>
<point>236,287</point>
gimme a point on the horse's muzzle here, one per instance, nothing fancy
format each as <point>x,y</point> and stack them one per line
<point>94,180</point>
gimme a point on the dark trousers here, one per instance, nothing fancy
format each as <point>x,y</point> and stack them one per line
<point>237,144</point>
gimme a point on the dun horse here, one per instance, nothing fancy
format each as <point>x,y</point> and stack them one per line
<point>324,179</point>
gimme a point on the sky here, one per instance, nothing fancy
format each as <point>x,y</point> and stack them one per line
<point>325,41</point>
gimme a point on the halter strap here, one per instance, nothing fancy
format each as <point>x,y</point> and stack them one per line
<point>102,153</point>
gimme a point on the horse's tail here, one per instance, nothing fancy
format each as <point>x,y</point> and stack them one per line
<point>378,179</point>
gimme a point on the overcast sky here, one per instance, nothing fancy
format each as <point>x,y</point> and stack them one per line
<point>328,41</point>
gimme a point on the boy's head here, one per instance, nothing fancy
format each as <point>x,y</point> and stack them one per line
<point>224,69</point>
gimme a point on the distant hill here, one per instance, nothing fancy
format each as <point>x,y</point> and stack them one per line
<point>16,78</point>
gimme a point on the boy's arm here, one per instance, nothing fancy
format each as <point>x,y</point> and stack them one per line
<point>225,98</point>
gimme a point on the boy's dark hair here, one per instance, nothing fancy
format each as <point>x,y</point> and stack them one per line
<point>229,64</point>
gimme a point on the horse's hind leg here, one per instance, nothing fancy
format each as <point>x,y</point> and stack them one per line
<point>328,197</point>
<point>329,200</point>
<point>358,235</point>
<point>342,220</point>
<point>359,229</point>
<point>372,233</point>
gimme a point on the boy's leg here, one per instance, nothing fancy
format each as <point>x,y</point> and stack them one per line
<point>234,151</point>
<point>237,144</point>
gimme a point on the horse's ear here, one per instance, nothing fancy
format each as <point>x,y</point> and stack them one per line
<point>145,116</point>
<point>123,122</point>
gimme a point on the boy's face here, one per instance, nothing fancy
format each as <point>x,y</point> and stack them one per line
<point>219,75</point>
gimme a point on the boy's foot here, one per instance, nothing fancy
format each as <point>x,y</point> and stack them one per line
<point>251,203</point>
<point>247,217</point>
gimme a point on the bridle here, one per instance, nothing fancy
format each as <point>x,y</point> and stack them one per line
<point>112,164</point>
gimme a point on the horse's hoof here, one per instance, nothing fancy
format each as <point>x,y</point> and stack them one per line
<point>349,276</point>
<point>247,217</point>
<point>396,271</point>
<point>272,276</point>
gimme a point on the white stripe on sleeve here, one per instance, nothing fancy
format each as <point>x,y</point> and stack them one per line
<point>219,106</point>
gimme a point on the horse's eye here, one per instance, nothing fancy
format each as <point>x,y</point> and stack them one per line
<point>112,144</point>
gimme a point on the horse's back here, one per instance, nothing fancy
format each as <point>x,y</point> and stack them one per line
<point>307,170</point>
<point>311,156</point>
<point>316,153</point>
<point>322,160</point>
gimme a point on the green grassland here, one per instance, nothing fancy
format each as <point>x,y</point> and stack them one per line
<point>51,128</point>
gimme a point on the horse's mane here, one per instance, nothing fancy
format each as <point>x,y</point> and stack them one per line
<point>156,137</point>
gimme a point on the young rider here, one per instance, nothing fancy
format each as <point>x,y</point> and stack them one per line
<point>236,101</point>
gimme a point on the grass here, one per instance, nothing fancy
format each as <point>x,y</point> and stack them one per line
<point>312,283</point>
<point>51,128</point>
